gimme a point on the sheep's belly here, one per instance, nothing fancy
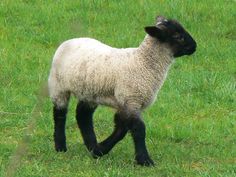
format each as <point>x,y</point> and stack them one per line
<point>109,101</point>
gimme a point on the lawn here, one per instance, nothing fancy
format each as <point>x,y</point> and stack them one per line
<point>191,128</point>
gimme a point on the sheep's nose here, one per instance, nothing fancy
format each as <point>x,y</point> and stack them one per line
<point>191,49</point>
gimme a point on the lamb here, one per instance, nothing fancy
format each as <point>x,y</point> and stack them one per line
<point>127,79</point>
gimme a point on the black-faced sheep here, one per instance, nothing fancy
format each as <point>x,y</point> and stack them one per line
<point>125,79</point>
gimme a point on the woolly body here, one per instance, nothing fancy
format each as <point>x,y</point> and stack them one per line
<point>125,79</point>
<point>99,74</point>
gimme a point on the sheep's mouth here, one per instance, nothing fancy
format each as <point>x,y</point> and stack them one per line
<point>191,50</point>
<point>185,52</point>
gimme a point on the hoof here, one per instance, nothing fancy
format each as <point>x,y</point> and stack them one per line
<point>144,160</point>
<point>60,147</point>
<point>96,153</point>
<point>60,143</point>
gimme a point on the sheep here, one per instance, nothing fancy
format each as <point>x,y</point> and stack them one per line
<point>126,79</point>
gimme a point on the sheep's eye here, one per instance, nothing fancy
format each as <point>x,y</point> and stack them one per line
<point>178,37</point>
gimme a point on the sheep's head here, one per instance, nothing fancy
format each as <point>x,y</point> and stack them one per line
<point>172,32</point>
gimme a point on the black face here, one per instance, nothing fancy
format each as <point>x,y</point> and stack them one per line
<point>172,33</point>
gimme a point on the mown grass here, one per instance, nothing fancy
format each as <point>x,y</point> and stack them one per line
<point>191,129</point>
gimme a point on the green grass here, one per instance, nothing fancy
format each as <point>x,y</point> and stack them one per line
<point>191,129</point>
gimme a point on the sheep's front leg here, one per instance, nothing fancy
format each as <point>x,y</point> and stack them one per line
<point>137,128</point>
<point>84,117</point>
<point>118,134</point>
<point>59,115</point>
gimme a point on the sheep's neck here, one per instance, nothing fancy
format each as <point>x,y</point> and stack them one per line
<point>156,56</point>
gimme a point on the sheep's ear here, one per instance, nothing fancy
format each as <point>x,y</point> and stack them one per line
<point>160,18</point>
<point>156,32</point>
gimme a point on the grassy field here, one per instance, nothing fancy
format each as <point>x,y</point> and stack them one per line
<point>191,129</point>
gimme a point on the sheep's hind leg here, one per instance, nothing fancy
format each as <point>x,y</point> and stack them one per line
<point>59,116</point>
<point>118,134</point>
<point>84,117</point>
<point>59,128</point>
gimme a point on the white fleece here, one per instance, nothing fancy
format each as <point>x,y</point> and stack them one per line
<point>101,74</point>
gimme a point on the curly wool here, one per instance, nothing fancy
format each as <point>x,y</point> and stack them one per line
<point>100,74</point>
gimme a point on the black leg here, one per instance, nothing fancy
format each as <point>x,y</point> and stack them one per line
<point>84,117</point>
<point>118,134</point>
<point>59,115</point>
<point>137,128</point>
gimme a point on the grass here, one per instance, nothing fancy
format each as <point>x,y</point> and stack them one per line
<point>191,129</point>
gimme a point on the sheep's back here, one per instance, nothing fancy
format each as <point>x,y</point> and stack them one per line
<point>88,68</point>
